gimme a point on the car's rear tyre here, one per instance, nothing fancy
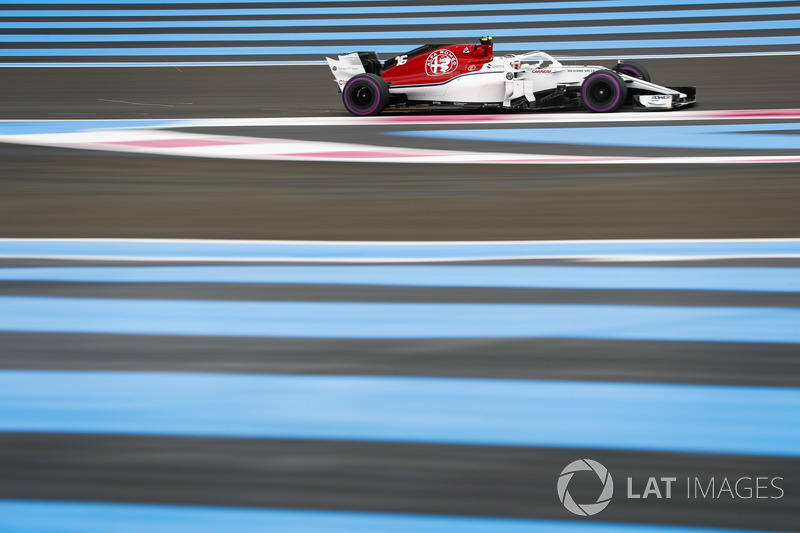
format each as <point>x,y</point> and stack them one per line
<point>634,70</point>
<point>603,91</point>
<point>365,94</point>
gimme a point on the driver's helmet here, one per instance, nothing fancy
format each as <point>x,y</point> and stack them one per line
<point>485,46</point>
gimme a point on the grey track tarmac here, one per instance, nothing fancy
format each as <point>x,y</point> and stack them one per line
<point>69,193</point>
<point>49,192</point>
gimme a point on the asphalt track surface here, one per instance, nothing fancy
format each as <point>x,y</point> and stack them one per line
<point>49,192</point>
<point>58,193</point>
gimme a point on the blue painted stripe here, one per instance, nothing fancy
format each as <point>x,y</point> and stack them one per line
<point>619,416</point>
<point>21,516</point>
<point>84,63</point>
<point>360,10</point>
<point>398,320</point>
<point>718,136</point>
<point>416,21</point>
<point>168,2</point>
<point>38,127</point>
<point>332,49</point>
<point>155,249</point>
<point>761,25</point>
<point>471,6</point>
<point>530,277</point>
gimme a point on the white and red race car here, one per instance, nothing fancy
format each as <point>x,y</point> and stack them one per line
<point>470,75</point>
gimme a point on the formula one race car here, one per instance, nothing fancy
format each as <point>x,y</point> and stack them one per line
<point>470,75</point>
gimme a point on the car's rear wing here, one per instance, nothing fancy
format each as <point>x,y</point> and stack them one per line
<point>350,65</point>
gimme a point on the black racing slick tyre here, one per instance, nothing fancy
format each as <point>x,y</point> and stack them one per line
<point>365,94</point>
<point>634,70</point>
<point>603,91</point>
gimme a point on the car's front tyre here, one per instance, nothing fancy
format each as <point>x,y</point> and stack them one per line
<point>603,91</point>
<point>365,94</point>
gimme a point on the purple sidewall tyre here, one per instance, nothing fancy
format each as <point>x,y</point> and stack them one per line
<point>365,94</point>
<point>603,91</point>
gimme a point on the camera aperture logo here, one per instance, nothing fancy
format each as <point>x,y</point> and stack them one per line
<point>585,509</point>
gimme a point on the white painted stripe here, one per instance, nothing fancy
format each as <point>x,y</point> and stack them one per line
<point>165,142</point>
<point>157,137</point>
<point>444,120</point>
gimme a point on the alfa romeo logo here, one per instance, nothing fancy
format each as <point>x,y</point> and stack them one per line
<point>585,509</point>
<point>440,62</point>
